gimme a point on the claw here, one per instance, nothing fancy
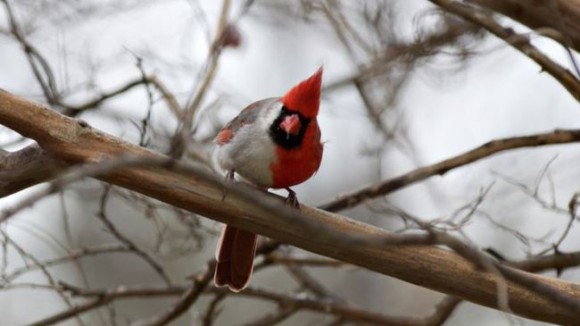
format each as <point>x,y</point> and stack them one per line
<point>229,179</point>
<point>292,200</point>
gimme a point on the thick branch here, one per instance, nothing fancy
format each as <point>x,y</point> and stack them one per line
<point>558,261</point>
<point>429,267</point>
<point>560,15</point>
<point>26,167</point>
<point>517,41</point>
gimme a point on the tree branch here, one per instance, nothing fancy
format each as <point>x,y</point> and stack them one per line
<point>171,101</point>
<point>348,312</point>
<point>331,235</point>
<point>187,299</point>
<point>488,149</point>
<point>558,261</point>
<point>25,168</point>
<point>541,14</point>
<point>517,41</point>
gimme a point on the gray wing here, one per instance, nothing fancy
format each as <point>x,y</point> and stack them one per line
<point>247,116</point>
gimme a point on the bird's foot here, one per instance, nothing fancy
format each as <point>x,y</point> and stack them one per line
<point>229,179</point>
<point>292,200</point>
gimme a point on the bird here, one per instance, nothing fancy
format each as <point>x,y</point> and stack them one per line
<point>272,143</point>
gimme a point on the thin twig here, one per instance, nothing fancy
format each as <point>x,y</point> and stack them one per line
<point>187,299</point>
<point>72,255</point>
<point>274,318</point>
<point>168,97</point>
<point>40,67</point>
<point>102,215</point>
<point>182,134</point>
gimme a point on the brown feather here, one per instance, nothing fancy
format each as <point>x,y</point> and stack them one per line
<point>235,258</point>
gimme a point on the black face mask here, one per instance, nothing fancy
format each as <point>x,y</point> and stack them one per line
<point>284,139</point>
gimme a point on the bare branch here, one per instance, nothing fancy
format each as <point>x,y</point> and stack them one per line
<point>73,312</point>
<point>25,168</point>
<point>171,101</point>
<point>442,312</point>
<point>519,42</point>
<point>39,65</point>
<point>183,132</point>
<point>277,258</point>
<point>73,255</point>
<point>337,309</point>
<point>558,261</point>
<point>77,173</point>
<point>102,215</point>
<point>541,15</point>
<point>275,318</point>
<point>426,45</point>
<point>201,281</point>
<point>483,151</point>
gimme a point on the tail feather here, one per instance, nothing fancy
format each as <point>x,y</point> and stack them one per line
<point>235,258</point>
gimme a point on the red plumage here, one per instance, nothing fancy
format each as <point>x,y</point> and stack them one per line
<point>296,166</point>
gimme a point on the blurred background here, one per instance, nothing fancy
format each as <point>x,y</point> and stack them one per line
<point>405,86</point>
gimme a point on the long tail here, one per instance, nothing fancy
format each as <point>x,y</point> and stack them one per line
<point>235,258</point>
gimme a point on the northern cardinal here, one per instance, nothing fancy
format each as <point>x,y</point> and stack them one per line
<point>272,143</point>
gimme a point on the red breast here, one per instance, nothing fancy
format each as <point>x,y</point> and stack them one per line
<point>297,165</point>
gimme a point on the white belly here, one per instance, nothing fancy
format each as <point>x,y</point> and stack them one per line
<point>250,153</point>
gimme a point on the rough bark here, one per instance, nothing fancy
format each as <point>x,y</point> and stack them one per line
<point>560,15</point>
<point>26,167</point>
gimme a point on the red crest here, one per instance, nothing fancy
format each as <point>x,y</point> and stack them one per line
<point>305,97</point>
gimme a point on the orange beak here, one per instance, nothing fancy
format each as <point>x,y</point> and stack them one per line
<point>291,124</point>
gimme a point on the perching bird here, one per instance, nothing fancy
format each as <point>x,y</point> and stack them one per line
<point>272,143</point>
